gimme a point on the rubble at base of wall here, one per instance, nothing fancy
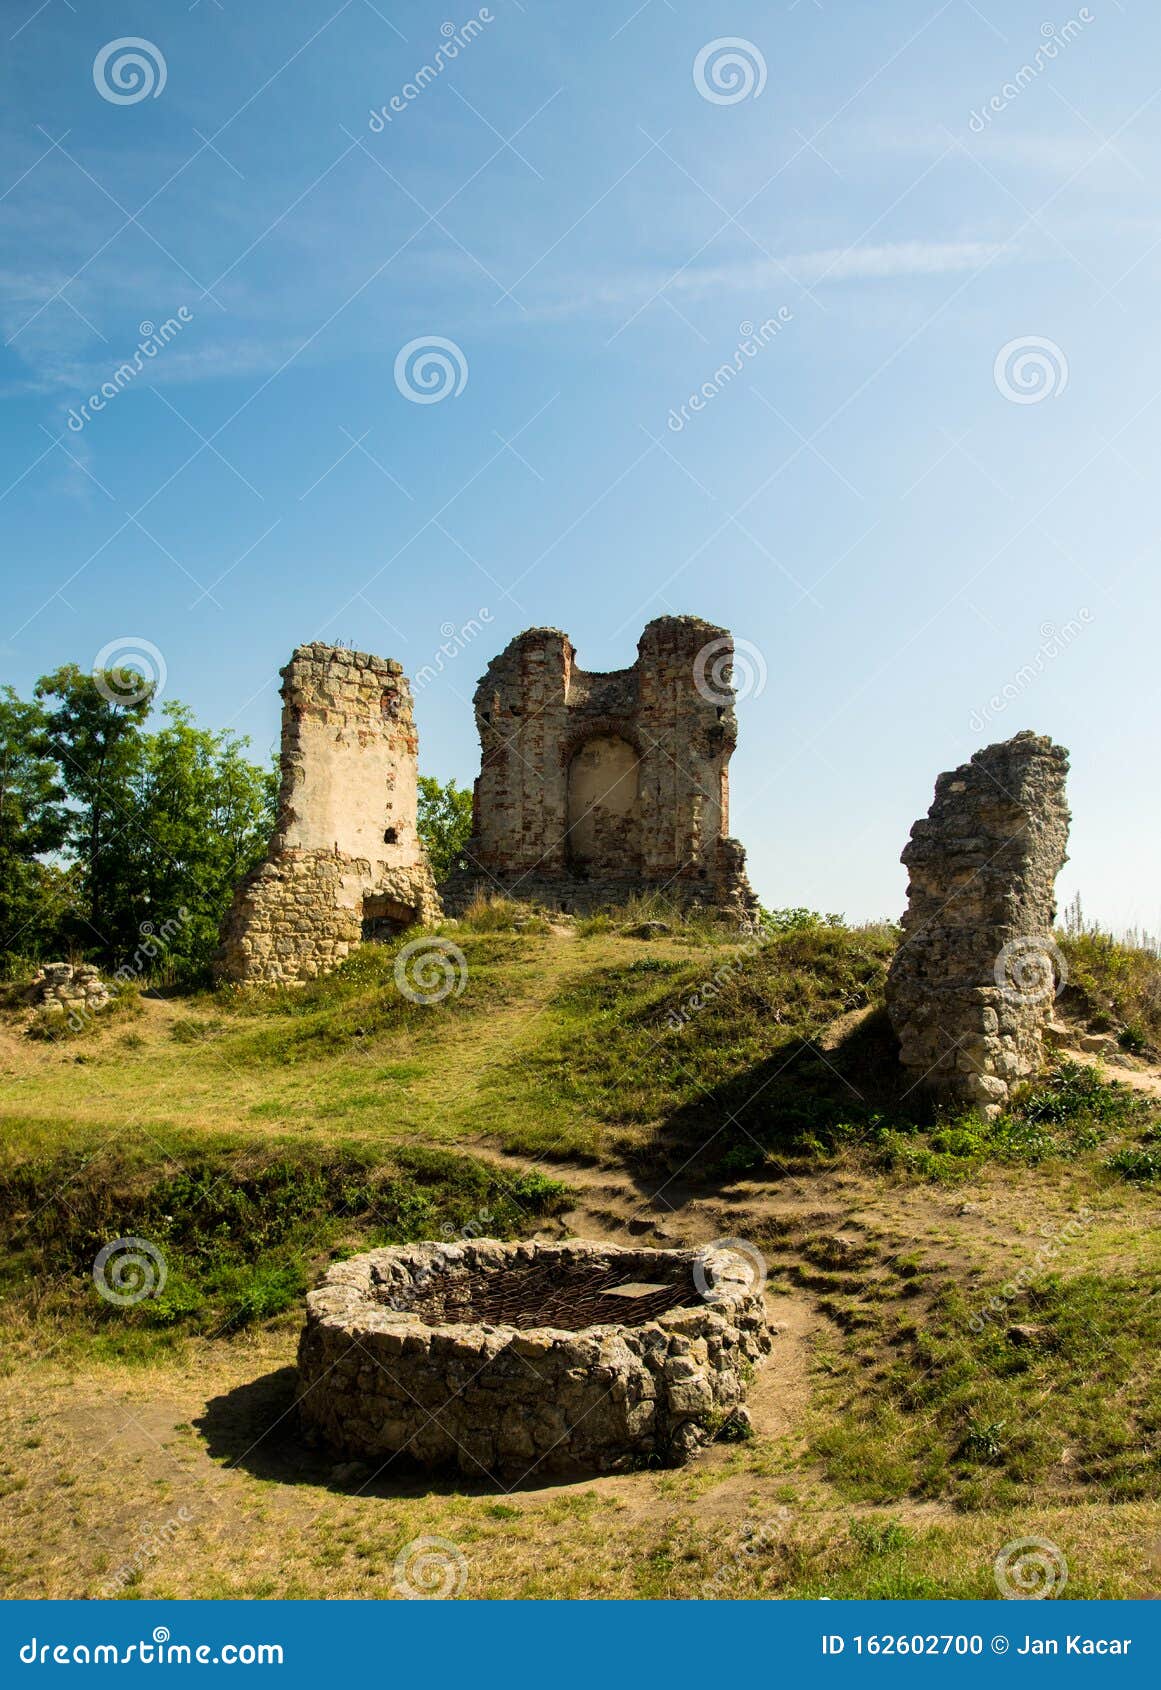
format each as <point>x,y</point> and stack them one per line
<point>60,987</point>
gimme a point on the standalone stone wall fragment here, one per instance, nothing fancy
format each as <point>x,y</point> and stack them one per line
<point>972,984</point>
<point>345,863</point>
<point>593,787</point>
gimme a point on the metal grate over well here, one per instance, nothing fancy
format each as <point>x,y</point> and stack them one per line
<point>569,1296</point>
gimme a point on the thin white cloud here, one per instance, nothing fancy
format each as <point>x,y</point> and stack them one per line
<point>883,262</point>
<point>1004,146</point>
<point>841,264</point>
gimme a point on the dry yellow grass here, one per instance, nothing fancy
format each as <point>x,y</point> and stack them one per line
<point>185,1469</point>
<point>168,1470</point>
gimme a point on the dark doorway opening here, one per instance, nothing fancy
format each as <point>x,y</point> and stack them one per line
<point>385,918</point>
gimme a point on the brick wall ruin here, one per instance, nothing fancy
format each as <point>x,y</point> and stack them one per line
<point>596,786</point>
<point>972,984</point>
<point>345,862</point>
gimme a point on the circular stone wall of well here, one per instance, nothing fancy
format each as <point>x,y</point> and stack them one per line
<point>500,1358</point>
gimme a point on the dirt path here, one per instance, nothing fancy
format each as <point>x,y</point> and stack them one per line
<point>1144,1079</point>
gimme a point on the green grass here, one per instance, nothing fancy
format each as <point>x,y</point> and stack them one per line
<point>361,1002</point>
<point>1070,1111</point>
<point>1057,1390</point>
<point>663,1049</point>
<point>499,915</point>
<point>242,1235</point>
<point>683,1052</point>
<point>956,1385</point>
<point>682,924</point>
<point>600,1047</point>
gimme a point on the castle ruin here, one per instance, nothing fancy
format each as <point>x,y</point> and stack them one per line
<point>345,863</point>
<point>972,984</point>
<point>594,787</point>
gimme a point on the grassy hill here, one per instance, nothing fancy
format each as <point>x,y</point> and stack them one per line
<point>969,1314</point>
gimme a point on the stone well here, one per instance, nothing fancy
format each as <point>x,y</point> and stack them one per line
<point>499,1358</point>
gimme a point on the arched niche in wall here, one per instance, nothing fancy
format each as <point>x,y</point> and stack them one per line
<point>603,806</point>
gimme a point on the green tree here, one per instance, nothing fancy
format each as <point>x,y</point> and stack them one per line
<point>93,732</point>
<point>203,815</point>
<point>159,827</point>
<point>445,824</point>
<point>33,893</point>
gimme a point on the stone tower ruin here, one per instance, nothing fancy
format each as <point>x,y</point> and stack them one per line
<point>345,863</point>
<point>593,787</point>
<point>973,981</point>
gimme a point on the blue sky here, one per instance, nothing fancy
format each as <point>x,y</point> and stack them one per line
<point>900,528</point>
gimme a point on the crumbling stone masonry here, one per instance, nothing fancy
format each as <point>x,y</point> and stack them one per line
<point>972,984</point>
<point>500,1358</point>
<point>593,787</point>
<point>345,863</point>
<point>68,989</point>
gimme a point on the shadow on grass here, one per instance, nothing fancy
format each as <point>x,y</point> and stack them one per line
<point>255,1427</point>
<point>798,1103</point>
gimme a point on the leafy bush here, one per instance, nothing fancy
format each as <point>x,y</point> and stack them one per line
<point>1071,1090</point>
<point>1113,984</point>
<point>1071,1110</point>
<point>1139,1163</point>
<point>791,920</point>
